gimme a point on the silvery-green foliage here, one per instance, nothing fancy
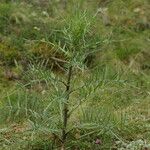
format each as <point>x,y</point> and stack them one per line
<point>133,145</point>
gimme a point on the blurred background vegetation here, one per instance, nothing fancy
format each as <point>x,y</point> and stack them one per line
<point>29,29</point>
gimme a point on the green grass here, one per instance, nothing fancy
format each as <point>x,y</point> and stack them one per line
<point>109,98</point>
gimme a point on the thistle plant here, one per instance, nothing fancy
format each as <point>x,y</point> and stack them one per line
<point>76,48</point>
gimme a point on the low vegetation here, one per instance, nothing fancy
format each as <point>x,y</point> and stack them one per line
<point>74,75</point>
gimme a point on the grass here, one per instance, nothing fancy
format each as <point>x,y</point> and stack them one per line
<point>117,117</point>
<point>109,90</point>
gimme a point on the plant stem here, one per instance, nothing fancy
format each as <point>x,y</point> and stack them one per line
<point>65,109</point>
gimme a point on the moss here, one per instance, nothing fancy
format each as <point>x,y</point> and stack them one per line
<point>8,54</point>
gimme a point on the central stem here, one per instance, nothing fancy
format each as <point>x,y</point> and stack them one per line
<point>65,109</point>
